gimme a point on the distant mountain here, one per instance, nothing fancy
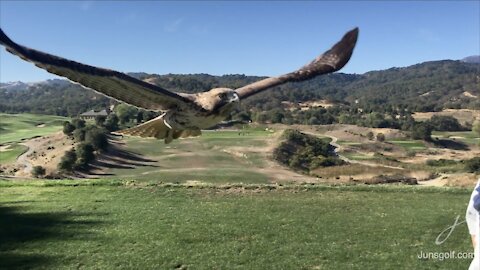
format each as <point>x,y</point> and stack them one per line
<point>472,59</point>
<point>429,86</point>
<point>21,86</point>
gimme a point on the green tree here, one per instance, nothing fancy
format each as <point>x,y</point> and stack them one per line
<point>97,138</point>
<point>445,123</point>
<point>68,128</point>
<point>473,165</point>
<point>100,120</point>
<point>125,113</point>
<point>78,123</point>
<point>421,131</point>
<point>67,163</point>
<point>38,171</point>
<point>79,134</point>
<point>370,135</point>
<point>85,155</point>
<point>111,123</point>
<point>380,137</point>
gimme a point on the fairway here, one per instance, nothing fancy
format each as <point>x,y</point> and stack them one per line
<point>16,127</point>
<point>10,152</point>
<point>227,156</point>
<point>118,225</point>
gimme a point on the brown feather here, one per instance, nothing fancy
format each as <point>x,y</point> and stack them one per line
<point>330,61</point>
<point>108,82</point>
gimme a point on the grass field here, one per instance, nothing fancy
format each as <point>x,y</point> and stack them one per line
<point>16,127</point>
<point>468,137</point>
<point>215,157</point>
<point>410,144</point>
<point>11,152</point>
<point>109,225</point>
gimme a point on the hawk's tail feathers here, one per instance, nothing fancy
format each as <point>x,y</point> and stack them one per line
<point>157,128</point>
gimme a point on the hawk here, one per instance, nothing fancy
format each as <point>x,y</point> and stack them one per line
<point>184,115</point>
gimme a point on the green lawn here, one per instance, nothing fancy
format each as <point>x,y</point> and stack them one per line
<point>468,137</point>
<point>11,152</point>
<point>108,225</point>
<point>212,157</point>
<point>359,156</point>
<point>16,127</point>
<point>410,144</point>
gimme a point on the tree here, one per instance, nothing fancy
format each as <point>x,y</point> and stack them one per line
<point>125,113</point>
<point>79,135</point>
<point>38,171</point>
<point>445,123</point>
<point>370,135</point>
<point>68,161</point>
<point>68,128</point>
<point>421,131</point>
<point>78,123</point>
<point>100,120</point>
<point>139,116</point>
<point>97,138</point>
<point>380,137</point>
<point>473,165</point>
<point>85,155</point>
<point>111,123</point>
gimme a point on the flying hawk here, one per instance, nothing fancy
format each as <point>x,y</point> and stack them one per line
<point>184,115</point>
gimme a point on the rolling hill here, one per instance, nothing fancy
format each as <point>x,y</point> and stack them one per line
<point>429,86</point>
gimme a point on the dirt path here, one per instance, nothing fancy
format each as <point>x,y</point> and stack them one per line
<point>338,148</point>
<point>23,161</point>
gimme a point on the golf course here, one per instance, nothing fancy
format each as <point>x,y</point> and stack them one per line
<point>219,201</point>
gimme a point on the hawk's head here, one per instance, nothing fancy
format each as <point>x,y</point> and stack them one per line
<point>219,100</point>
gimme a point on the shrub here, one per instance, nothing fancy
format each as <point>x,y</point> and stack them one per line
<point>445,123</point>
<point>85,155</point>
<point>68,128</point>
<point>97,138</point>
<point>380,137</point>
<point>79,135</point>
<point>100,120</point>
<point>78,123</point>
<point>67,162</point>
<point>111,123</point>
<point>304,152</point>
<point>411,153</point>
<point>473,165</point>
<point>421,131</point>
<point>38,171</point>
<point>440,162</point>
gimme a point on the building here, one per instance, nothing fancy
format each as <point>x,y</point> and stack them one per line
<point>90,115</point>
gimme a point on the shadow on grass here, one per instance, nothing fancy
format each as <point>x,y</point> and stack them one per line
<point>451,144</point>
<point>116,158</point>
<point>19,229</point>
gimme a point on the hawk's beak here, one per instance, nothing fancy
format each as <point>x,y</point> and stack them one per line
<point>235,98</point>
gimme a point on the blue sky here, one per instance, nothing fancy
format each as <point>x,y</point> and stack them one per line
<point>245,37</point>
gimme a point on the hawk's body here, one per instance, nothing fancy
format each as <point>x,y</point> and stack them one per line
<point>184,115</point>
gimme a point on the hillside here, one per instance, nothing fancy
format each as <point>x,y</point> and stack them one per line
<point>429,86</point>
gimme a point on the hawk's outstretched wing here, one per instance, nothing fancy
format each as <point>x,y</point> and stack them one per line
<point>330,61</point>
<point>108,82</point>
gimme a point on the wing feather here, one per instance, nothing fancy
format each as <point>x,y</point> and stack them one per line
<point>108,82</point>
<point>330,61</point>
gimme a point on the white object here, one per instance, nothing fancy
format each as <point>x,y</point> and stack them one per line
<point>473,222</point>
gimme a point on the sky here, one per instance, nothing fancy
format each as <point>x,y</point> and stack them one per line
<point>228,37</point>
